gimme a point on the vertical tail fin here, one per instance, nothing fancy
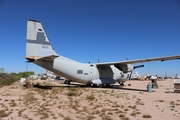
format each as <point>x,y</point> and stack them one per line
<point>37,42</point>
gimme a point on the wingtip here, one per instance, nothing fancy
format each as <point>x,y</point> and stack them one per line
<point>33,20</point>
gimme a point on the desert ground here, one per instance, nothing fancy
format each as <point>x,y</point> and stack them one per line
<point>51,100</point>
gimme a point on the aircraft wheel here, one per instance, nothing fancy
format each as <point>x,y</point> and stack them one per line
<point>108,85</point>
<point>122,84</point>
<point>67,82</point>
<point>94,85</point>
<point>88,85</point>
<point>101,85</point>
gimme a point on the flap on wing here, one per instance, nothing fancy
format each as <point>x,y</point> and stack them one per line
<point>138,61</point>
<point>48,58</point>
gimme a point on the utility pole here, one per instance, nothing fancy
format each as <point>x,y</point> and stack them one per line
<point>148,68</point>
<point>165,74</point>
<point>26,67</point>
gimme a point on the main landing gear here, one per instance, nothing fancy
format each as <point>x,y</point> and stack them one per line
<point>100,85</point>
<point>93,85</point>
<point>67,82</point>
<point>122,83</point>
<point>105,85</point>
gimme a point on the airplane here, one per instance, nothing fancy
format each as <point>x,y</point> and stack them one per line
<point>135,76</point>
<point>52,75</point>
<point>40,52</point>
<point>176,77</point>
<point>49,74</point>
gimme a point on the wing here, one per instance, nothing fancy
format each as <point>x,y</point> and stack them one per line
<point>139,61</point>
<point>46,58</point>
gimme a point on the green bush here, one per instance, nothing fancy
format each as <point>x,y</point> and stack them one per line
<point>25,74</point>
<point>44,78</point>
<point>8,79</point>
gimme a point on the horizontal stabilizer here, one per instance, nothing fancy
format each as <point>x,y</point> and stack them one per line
<point>45,58</point>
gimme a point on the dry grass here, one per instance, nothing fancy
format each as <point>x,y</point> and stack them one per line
<point>29,98</point>
<point>133,114</point>
<point>13,103</point>
<point>81,103</point>
<point>122,115</point>
<point>74,91</point>
<point>138,102</point>
<point>90,97</point>
<point>159,100</point>
<point>3,113</point>
<point>147,116</point>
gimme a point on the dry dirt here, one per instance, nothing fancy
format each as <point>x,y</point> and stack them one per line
<point>63,102</point>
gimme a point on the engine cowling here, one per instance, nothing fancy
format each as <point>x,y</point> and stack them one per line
<point>125,68</point>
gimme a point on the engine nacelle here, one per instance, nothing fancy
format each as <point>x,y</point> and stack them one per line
<point>125,68</point>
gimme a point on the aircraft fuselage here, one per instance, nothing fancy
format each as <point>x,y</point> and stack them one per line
<point>84,73</point>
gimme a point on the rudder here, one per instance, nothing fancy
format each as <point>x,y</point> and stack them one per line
<point>37,42</point>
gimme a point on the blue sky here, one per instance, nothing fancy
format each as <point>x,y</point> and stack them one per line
<point>88,30</point>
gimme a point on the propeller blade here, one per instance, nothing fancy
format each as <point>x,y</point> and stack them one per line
<point>138,66</point>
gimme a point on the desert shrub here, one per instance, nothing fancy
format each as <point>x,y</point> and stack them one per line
<point>147,116</point>
<point>74,91</point>
<point>3,75</point>
<point>8,79</point>
<point>90,97</point>
<point>3,113</point>
<point>25,74</point>
<point>44,78</point>
<point>121,115</point>
<point>161,100</point>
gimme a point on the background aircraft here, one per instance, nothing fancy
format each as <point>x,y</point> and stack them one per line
<point>135,76</point>
<point>176,77</point>
<point>40,51</point>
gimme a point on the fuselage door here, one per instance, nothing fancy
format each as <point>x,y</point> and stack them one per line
<point>92,72</point>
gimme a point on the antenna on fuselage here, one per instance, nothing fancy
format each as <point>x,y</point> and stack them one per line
<point>98,60</point>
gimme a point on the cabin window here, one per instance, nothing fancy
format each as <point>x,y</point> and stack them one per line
<point>79,71</point>
<point>85,73</point>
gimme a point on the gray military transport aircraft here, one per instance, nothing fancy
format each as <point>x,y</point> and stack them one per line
<point>40,51</point>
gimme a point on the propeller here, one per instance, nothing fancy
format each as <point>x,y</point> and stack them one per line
<point>138,66</point>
